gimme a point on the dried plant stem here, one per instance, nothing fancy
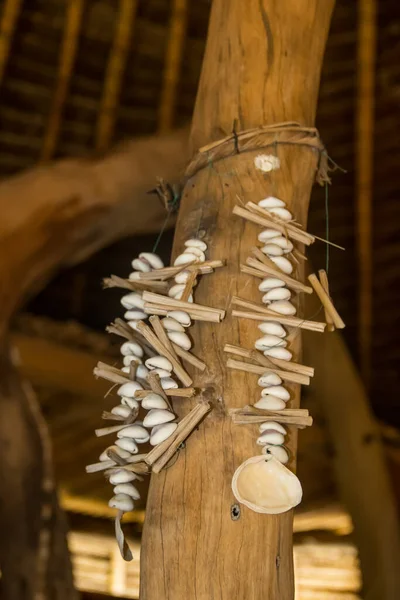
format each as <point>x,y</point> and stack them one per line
<point>162,335</point>
<point>269,362</point>
<point>245,419</point>
<point>187,306</point>
<point>260,370</point>
<point>113,429</point>
<point>159,457</point>
<point>326,301</point>
<point>189,285</point>
<point>174,393</point>
<point>168,272</point>
<point>294,233</point>
<point>274,272</point>
<point>108,464</point>
<point>290,229</point>
<point>134,285</point>
<point>189,357</point>
<point>252,410</point>
<point>323,277</point>
<point>152,308</point>
<point>151,337</point>
<point>156,387</point>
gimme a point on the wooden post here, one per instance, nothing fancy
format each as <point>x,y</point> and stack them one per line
<point>262,66</point>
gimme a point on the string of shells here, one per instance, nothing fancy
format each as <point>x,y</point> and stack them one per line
<point>156,341</point>
<point>263,483</point>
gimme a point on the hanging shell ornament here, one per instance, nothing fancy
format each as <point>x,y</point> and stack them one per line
<point>265,485</point>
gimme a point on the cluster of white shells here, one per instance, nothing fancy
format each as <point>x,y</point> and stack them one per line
<point>159,423</point>
<point>273,343</point>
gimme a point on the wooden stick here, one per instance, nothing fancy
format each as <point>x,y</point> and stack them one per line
<point>108,464</point>
<point>106,430</point>
<point>290,282</point>
<point>156,387</point>
<point>326,301</point>
<point>114,73</point>
<point>300,422</point>
<point>252,410</point>
<point>175,393</point>
<point>189,357</point>
<point>156,309</point>
<point>259,370</point>
<point>285,320</point>
<point>269,315</point>
<point>173,60</point>
<point>168,272</point>
<point>110,376</point>
<point>68,54</point>
<point>196,415</point>
<point>187,306</point>
<point>9,18</point>
<point>150,336</point>
<point>134,285</point>
<point>294,233</point>
<point>323,277</point>
<point>189,286</point>
<point>162,336</point>
<point>264,259</point>
<point>269,362</point>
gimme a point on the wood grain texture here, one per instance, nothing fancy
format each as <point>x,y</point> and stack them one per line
<point>254,72</point>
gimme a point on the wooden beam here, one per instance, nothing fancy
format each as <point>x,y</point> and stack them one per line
<point>366,58</point>
<point>261,66</point>
<point>69,48</point>
<point>114,73</point>
<point>8,23</point>
<point>173,60</point>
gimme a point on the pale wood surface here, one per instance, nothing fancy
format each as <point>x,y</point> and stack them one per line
<point>253,72</point>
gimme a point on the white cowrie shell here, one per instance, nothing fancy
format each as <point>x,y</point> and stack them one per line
<point>158,417</point>
<point>152,259</point>
<point>121,411</point>
<point>269,341</point>
<point>268,235</point>
<point>159,433</point>
<point>132,300</point>
<point>283,264</point>
<point>271,437</point>
<point>134,276</point>
<point>127,360</point>
<point>141,265</point>
<point>128,444</point>
<point>153,400</point>
<point>131,348</point>
<point>276,294</point>
<point>158,362</point>
<point>271,202</point>
<point>281,353</point>
<point>269,379</point>
<point>175,289</point>
<point>161,372</point>
<point>142,372</point>
<point>272,425</point>
<point>282,307</point>
<point>272,250</point>
<point>281,213</point>
<point>271,328</point>
<point>193,243</point>
<point>270,283</point>
<point>276,390</point>
<point>126,369</point>
<point>270,403</point>
<point>129,388</point>
<point>184,259</point>
<point>278,452</point>
<point>122,476</point>
<point>283,243</point>
<point>181,316</point>
<point>182,277</point>
<point>131,402</point>
<point>122,453</point>
<point>171,325</point>
<point>122,502</point>
<point>167,383</point>
<point>128,489</point>
<point>180,339</point>
<point>199,254</point>
<point>137,432</point>
<point>135,315</point>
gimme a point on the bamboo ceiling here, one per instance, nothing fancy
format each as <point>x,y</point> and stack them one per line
<point>78,76</point>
